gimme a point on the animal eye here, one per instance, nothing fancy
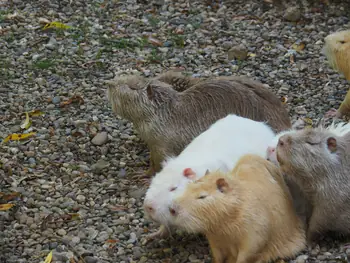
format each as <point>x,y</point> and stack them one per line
<point>342,42</point>
<point>202,196</point>
<point>311,143</point>
<point>172,189</point>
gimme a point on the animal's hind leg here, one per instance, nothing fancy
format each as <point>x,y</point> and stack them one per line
<point>344,108</point>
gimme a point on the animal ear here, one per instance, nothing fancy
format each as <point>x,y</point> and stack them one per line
<point>189,173</point>
<point>332,144</point>
<point>150,91</point>
<point>222,185</point>
<point>207,172</point>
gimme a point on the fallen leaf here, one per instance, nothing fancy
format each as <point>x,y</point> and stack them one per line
<point>251,55</point>
<point>284,100</point>
<point>291,59</point>
<point>75,98</point>
<point>155,42</point>
<point>72,260</point>
<point>48,258</point>
<point>56,25</point>
<point>18,137</point>
<point>77,134</point>
<point>112,241</point>
<point>298,47</point>
<point>75,216</point>
<point>4,207</point>
<point>308,121</point>
<point>10,196</point>
<point>36,113</point>
<point>27,122</point>
<point>117,208</point>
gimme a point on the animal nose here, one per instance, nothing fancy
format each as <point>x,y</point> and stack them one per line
<point>172,211</point>
<point>270,149</point>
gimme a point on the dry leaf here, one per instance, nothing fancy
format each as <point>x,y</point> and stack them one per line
<point>27,122</point>
<point>56,25</point>
<point>118,208</point>
<point>298,47</point>
<point>72,260</point>
<point>4,207</point>
<point>251,55</point>
<point>308,121</point>
<point>155,42</point>
<point>75,98</point>
<point>10,196</point>
<point>112,241</point>
<point>18,137</point>
<point>284,100</point>
<point>35,113</point>
<point>48,258</point>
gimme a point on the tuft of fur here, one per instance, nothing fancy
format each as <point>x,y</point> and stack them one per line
<point>318,160</point>
<point>337,51</point>
<point>246,214</point>
<point>168,120</point>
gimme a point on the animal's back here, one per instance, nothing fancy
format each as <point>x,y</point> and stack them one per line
<point>225,141</point>
<point>236,95</point>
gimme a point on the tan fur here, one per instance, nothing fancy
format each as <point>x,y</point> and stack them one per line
<point>251,220</point>
<point>318,160</point>
<point>168,120</point>
<point>337,51</point>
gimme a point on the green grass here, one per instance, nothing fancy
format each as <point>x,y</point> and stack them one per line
<point>155,56</point>
<point>44,64</point>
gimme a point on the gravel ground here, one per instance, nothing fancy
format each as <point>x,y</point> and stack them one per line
<point>77,197</point>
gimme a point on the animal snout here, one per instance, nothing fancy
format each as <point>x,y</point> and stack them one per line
<point>270,149</point>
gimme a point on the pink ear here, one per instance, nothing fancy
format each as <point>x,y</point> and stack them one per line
<point>189,173</point>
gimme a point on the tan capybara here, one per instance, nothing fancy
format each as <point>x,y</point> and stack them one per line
<point>247,214</point>
<point>337,51</point>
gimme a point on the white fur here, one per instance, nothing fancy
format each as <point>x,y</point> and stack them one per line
<point>339,129</point>
<point>218,148</point>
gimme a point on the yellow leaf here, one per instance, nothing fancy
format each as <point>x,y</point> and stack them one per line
<point>75,216</point>
<point>4,207</point>
<point>18,137</point>
<point>251,55</point>
<point>48,258</point>
<point>27,122</point>
<point>56,25</point>
<point>284,100</point>
<point>298,47</point>
<point>308,121</point>
<point>36,113</point>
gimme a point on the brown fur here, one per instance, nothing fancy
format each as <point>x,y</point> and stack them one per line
<point>247,214</point>
<point>168,120</point>
<point>337,51</point>
<point>319,162</point>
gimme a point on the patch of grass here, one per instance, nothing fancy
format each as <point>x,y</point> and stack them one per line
<point>153,21</point>
<point>178,40</point>
<point>10,37</point>
<point>155,56</point>
<point>44,64</point>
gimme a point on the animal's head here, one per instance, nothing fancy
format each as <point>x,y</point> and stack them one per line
<point>137,98</point>
<point>310,152</point>
<point>206,203</point>
<point>337,51</point>
<point>164,186</point>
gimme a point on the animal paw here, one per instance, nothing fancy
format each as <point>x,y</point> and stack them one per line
<point>162,233</point>
<point>332,113</point>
